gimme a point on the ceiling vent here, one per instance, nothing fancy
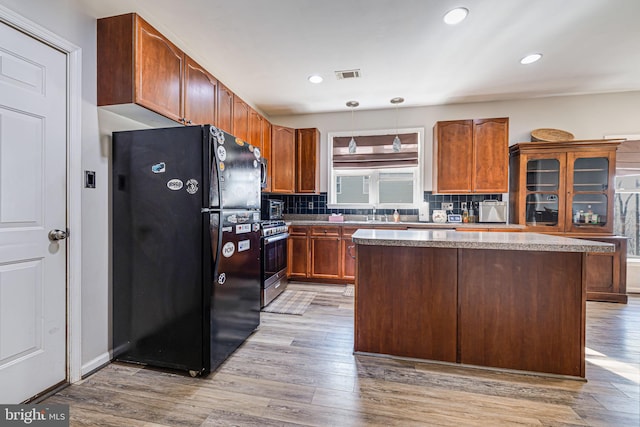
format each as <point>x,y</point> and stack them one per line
<point>348,74</point>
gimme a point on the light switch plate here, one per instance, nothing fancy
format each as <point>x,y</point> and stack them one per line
<point>89,179</point>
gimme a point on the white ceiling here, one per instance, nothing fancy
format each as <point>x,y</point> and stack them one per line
<point>265,50</point>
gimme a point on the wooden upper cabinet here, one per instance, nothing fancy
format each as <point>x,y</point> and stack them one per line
<point>137,64</point>
<point>491,155</point>
<point>307,160</point>
<point>200,94</point>
<point>159,72</point>
<point>240,118</point>
<point>453,148</point>
<point>283,159</point>
<point>471,156</point>
<point>224,118</point>
<point>255,129</point>
<point>266,151</point>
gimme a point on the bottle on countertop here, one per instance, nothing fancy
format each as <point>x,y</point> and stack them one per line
<point>396,216</point>
<point>472,213</point>
<point>465,213</point>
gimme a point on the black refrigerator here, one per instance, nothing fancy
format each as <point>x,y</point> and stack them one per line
<point>186,246</point>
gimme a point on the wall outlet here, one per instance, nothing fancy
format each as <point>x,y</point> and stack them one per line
<point>463,205</point>
<point>447,206</point>
<point>310,206</point>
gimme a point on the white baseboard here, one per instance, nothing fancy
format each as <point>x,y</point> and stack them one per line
<point>97,363</point>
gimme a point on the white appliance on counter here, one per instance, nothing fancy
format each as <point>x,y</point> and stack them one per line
<point>492,211</point>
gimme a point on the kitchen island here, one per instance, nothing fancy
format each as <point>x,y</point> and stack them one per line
<point>504,300</point>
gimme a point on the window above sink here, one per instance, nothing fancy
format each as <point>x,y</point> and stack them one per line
<point>376,175</point>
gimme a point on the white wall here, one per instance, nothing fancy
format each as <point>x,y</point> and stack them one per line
<point>64,18</point>
<point>587,117</point>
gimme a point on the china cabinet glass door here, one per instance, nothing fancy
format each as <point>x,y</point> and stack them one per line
<point>544,190</point>
<point>588,181</point>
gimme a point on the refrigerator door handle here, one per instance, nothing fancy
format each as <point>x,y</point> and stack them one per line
<point>215,251</point>
<point>214,169</point>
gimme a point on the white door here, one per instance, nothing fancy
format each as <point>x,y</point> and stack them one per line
<point>33,122</point>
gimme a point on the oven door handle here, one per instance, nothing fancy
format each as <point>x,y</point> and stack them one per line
<point>271,239</point>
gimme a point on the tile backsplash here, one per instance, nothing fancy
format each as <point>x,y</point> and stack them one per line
<point>316,204</point>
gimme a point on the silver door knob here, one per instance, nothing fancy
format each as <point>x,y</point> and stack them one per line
<point>57,235</point>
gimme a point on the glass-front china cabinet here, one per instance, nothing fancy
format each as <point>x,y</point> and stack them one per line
<point>564,187</point>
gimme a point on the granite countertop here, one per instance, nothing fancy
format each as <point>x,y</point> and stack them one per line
<point>517,241</point>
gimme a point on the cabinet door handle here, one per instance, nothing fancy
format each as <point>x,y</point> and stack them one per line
<point>349,251</point>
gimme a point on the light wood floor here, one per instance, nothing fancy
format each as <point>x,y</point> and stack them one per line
<point>300,370</point>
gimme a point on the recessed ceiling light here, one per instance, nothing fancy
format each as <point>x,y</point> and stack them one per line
<point>315,79</point>
<point>456,16</point>
<point>529,59</point>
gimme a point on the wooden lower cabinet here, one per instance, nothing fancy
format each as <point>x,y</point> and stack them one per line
<point>324,253</point>
<point>325,257</point>
<point>607,272</point>
<point>298,252</point>
<point>503,324</point>
<point>503,309</point>
<point>408,304</point>
<point>348,254</point>
<point>315,254</point>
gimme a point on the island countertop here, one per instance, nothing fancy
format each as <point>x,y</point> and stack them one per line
<point>515,241</point>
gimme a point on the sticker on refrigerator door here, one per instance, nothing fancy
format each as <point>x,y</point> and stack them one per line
<point>228,249</point>
<point>239,142</point>
<point>222,277</point>
<point>256,226</point>
<point>217,134</point>
<point>222,153</point>
<point>232,219</point>
<point>175,184</point>
<point>256,152</point>
<point>221,166</point>
<point>243,228</point>
<point>244,245</point>
<point>192,186</point>
<point>227,229</point>
<point>256,217</point>
<point>255,164</point>
<point>159,168</point>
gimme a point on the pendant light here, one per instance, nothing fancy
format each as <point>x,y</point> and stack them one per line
<point>397,145</point>
<point>352,142</point>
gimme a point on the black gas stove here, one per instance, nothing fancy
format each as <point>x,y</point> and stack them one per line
<point>274,259</point>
